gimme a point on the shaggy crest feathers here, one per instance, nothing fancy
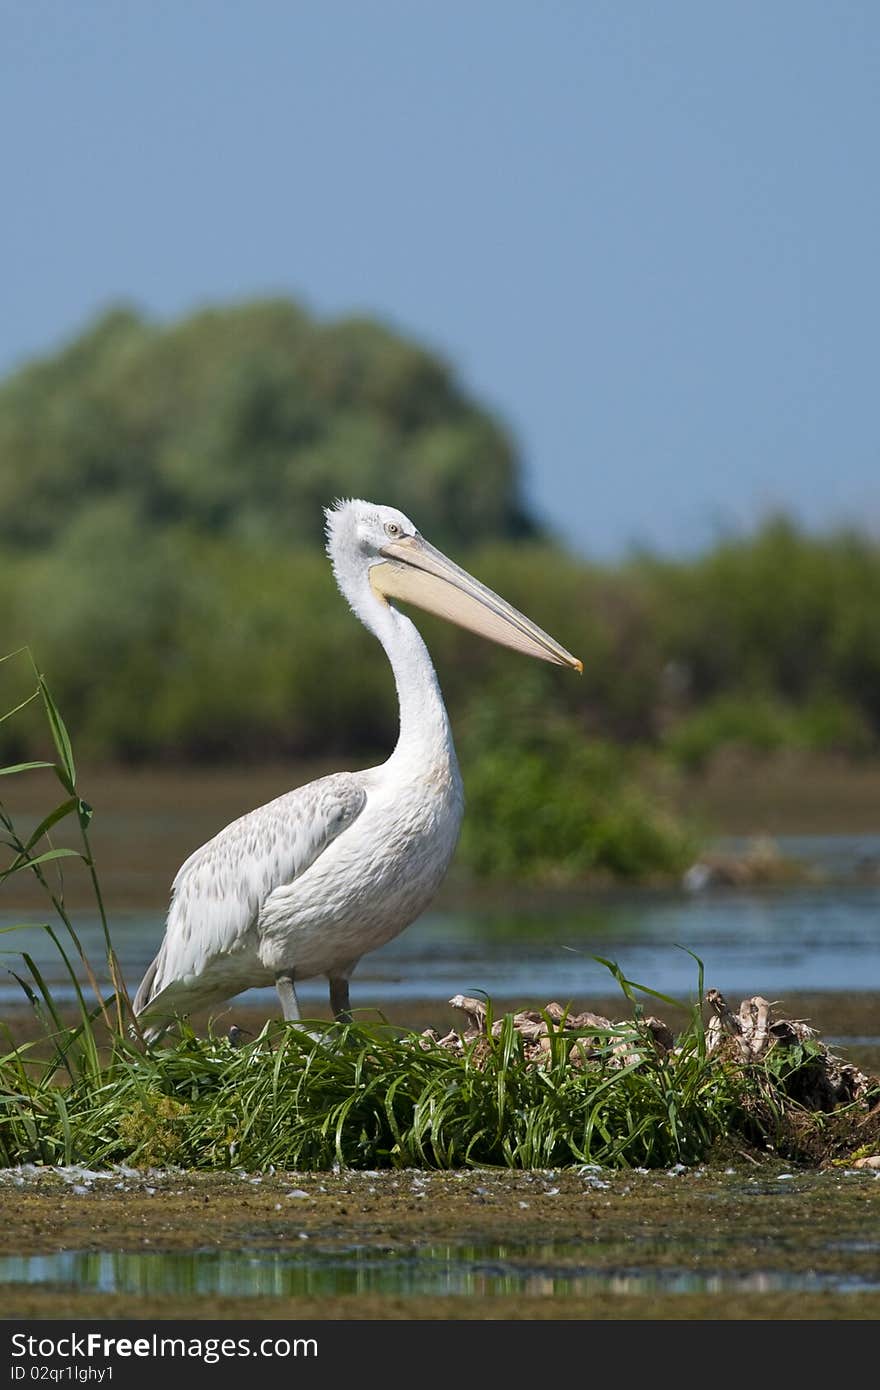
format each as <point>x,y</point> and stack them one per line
<point>340,524</point>
<point>344,514</point>
<point>333,514</point>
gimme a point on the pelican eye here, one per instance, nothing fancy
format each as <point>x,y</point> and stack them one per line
<point>392,528</point>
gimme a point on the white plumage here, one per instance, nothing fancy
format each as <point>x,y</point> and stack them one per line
<point>314,880</point>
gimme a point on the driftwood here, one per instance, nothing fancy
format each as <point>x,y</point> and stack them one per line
<point>823,1081</point>
<point>826,1081</point>
<point>591,1036</point>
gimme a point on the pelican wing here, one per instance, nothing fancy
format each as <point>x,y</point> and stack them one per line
<point>218,893</point>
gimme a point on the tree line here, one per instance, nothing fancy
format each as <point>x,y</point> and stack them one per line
<point>161,495</point>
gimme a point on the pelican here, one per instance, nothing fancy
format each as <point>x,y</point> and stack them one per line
<point>309,883</point>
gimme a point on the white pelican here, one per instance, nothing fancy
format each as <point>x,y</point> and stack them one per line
<point>311,882</point>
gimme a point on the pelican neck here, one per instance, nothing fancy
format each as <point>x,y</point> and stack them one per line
<point>425,733</point>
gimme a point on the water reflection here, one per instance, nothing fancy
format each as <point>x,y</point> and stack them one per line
<point>436,1270</point>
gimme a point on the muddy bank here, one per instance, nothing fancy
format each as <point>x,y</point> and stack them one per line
<point>760,1222</point>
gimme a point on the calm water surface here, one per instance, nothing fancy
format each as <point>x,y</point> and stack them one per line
<point>775,941</point>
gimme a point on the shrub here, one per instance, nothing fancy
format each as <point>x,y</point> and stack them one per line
<point>546,802</point>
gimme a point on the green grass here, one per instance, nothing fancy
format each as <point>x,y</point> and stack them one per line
<point>365,1098</point>
<point>309,1097</point>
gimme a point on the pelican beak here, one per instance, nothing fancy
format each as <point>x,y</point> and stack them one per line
<point>415,571</point>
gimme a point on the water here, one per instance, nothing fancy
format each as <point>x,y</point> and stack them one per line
<point>775,941</point>
<point>490,1269</point>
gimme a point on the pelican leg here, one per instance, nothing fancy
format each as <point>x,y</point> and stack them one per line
<point>287,995</point>
<point>339,1000</point>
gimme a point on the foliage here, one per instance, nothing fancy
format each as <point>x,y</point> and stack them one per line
<point>546,802</point>
<point>220,648</point>
<point>245,422</point>
<point>778,618</point>
<point>766,725</point>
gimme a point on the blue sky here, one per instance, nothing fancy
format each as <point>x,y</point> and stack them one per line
<point>646,234</point>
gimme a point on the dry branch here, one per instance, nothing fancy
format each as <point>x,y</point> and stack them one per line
<point>819,1080</point>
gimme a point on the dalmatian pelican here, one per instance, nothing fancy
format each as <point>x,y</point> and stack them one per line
<point>311,882</point>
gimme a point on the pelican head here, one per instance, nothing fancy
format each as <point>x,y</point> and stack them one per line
<point>380,548</point>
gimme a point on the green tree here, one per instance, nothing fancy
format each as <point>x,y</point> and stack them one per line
<point>245,422</point>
